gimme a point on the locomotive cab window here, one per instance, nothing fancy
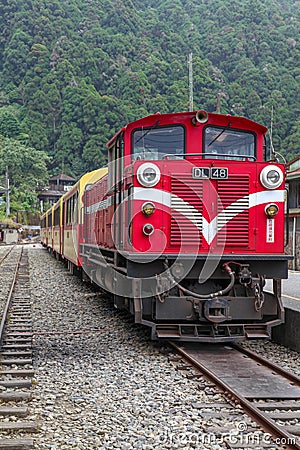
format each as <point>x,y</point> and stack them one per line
<point>224,143</point>
<point>157,143</point>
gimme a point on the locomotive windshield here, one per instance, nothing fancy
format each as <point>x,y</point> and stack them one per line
<point>224,143</point>
<point>155,143</point>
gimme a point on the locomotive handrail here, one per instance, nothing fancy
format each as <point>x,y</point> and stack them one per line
<point>287,218</point>
<point>229,155</point>
<point>202,155</point>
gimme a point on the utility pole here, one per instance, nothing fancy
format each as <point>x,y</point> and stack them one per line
<point>7,192</point>
<point>191,85</point>
<point>218,107</point>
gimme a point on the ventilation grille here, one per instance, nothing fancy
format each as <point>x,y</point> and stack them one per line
<point>233,211</point>
<point>186,210</point>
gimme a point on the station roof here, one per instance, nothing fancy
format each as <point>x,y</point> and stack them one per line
<point>62,177</point>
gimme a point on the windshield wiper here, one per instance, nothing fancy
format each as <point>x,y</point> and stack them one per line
<point>148,131</point>
<point>220,134</point>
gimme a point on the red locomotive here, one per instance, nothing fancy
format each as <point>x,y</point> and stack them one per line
<point>184,226</point>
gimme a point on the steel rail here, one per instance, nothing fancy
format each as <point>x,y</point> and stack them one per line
<point>8,302</point>
<point>6,255</point>
<point>268,424</point>
<point>266,362</point>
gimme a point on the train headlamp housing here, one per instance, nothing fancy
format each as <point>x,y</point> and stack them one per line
<point>271,177</point>
<point>148,208</point>
<point>271,210</point>
<point>148,174</point>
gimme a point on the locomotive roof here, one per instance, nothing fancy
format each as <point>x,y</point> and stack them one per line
<point>181,117</point>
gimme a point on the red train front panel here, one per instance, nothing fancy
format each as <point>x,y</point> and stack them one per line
<point>192,214</point>
<point>190,190</point>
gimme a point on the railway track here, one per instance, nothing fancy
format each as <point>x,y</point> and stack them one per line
<point>266,392</point>
<point>5,251</point>
<point>16,371</point>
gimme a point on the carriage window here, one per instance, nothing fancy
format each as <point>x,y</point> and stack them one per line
<point>72,210</point>
<point>224,143</point>
<point>155,143</point>
<point>57,216</point>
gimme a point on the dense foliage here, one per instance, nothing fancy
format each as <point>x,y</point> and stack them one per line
<point>73,72</point>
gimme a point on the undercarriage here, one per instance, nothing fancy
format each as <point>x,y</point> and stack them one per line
<point>175,300</point>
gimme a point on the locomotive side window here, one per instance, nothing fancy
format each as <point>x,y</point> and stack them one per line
<point>224,143</point>
<point>115,162</point>
<point>156,143</point>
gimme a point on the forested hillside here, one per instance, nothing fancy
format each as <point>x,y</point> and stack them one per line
<point>74,71</point>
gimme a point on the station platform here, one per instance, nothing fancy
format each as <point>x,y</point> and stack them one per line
<point>288,334</point>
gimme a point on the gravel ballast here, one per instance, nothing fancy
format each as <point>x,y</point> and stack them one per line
<point>101,384</point>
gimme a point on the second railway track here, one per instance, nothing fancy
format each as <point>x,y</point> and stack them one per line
<point>16,371</point>
<point>267,393</point>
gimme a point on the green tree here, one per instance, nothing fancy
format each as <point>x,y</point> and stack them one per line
<point>9,124</point>
<point>27,168</point>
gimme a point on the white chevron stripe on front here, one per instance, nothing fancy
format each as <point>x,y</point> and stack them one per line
<point>211,228</point>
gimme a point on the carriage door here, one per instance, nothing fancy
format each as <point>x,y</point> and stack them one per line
<point>118,231</point>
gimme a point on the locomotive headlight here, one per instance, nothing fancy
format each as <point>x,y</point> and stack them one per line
<point>148,208</point>
<point>148,174</point>
<point>271,177</point>
<point>271,210</point>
